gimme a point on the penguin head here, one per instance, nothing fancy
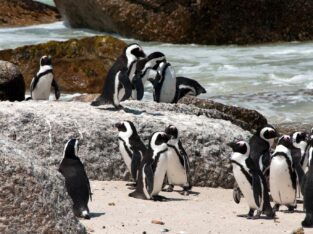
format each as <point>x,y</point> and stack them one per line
<point>241,147</point>
<point>45,60</point>
<point>154,59</point>
<point>267,133</point>
<point>172,131</point>
<point>286,141</point>
<point>298,137</point>
<point>134,52</point>
<point>126,129</point>
<point>158,141</point>
<point>71,149</point>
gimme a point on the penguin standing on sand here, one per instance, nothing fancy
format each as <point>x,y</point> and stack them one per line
<point>283,178</point>
<point>41,84</point>
<point>153,169</point>
<point>76,180</point>
<point>178,169</point>
<point>307,187</point>
<point>118,86</point>
<point>250,180</point>
<point>130,146</point>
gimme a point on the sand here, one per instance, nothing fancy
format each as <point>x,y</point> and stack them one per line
<point>210,210</point>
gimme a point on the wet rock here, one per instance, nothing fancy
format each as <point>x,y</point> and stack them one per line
<point>288,128</point>
<point>12,86</point>
<point>44,127</point>
<point>26,12</point>
<point>79,65</point>
<point>245,118</point>
<point>33,198</point>
<point>190,21</point>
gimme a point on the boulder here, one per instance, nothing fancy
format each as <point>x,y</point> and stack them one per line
<point>33,198</point>
<point>44,127</point>
<point>245,118</point>
<point>79,65</point>
<point>12,85</point>
<point>191,21</point>
<point>26,12</point>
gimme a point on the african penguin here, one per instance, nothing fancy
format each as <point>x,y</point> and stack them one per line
<point>41,84</point>
<point>153,168</point>
<point>178,169</point>
<point>283,178</point>
<point>130,146</point>
<point>187,86</point>
<point>76,180</point>
<point>250,180</point>
<point>118,85</point>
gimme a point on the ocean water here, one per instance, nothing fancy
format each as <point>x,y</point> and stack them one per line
<point>274,79</point>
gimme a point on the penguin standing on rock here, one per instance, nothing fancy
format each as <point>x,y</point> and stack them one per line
<point>283,178</point>
<point>41,84</point>
<point>153,169</point>
<point>120,82</point>
<point>250,180</point>
<point>76,180</point>
<point>130,146</point>
<point>178,169</point>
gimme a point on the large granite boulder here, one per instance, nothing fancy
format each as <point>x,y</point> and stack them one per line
<point>33,198</point>
<point>191,21</point>
<point>26,12</point>
<point>44,127</point>
<point>12,85</point>
<point>79,65</point>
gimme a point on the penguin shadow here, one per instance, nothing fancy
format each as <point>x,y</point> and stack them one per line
<point>173,199</point>
<point>295,211</point>
<point>96,214</point>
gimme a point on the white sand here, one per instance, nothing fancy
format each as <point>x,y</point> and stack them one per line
<point>212,211</point>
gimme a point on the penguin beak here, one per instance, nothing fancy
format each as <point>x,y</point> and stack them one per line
<point>118,125</point>
<point>166,137</point>
<point>232,144</point>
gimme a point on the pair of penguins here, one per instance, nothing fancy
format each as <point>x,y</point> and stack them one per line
<point>164,155</point>
<point>253,163</point>
<point>127,76</point>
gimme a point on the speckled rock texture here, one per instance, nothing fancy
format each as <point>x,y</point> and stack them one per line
<point>32,197</point>
<point>79,65</point>
<point>44,127</point>
<point>12,85</point>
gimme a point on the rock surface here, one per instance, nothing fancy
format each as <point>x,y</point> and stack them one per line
<point>26,12</point>
<point>78,65</point>
<point>191,21</point>
<point>33,198</point>
<point>44,127</point>
<point>12,85</point>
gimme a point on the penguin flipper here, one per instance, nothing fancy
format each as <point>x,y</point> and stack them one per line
<point>32,86</point>
<point>56,89</point>
<point>138,84</point>
<point>135,163</point>
<point>303,182</point>
<point>149,178</point>
<point>257,189</point>
<point>125,82</point>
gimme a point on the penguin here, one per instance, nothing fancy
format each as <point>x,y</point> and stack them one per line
<point>307,187</point>
<point>283,178</point>
<point>76,180</point>
<point>178,169</point>
<point>41,84</point>
<point>260,153</point>
<point>131,147</point>
<point>153,169</point>
<point>250,180</point>
<point>187,86</point>
<point>118,86</point>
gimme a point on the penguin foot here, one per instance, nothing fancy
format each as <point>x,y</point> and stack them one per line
<point>276,207</point>
<point>308,220</point>
<point>291,209</point>
<point>249,215</point>
<point>270,214</point>
<point>159,198</point>
<point>258,215</point>
<point>170,188</point>
<point>184,193</point>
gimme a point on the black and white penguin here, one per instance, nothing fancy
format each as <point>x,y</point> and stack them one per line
<point>187,86</point>
<point>131,147</point>
<point>76,180</point>
<point>250,180</point>
<point>153,169</point>
<point>118,84</point>
<point>41,84</point>
<point>307,187</point>
<point>283,178</point>
<point>299,142</point>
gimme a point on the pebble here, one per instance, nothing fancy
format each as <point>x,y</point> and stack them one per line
<point>157,222</point>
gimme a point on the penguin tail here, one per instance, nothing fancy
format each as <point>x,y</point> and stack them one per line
<point>85,214</point>
<point>308,220</point>
<point>29,98</point>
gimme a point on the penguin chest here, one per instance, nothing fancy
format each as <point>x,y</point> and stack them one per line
<point>245,186</point>
<point>159,174</point>
<point>281,183</point>
<point>124,149</point>
<point>43,87</point>
<point>176,172</point>
<point>168,89</point>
